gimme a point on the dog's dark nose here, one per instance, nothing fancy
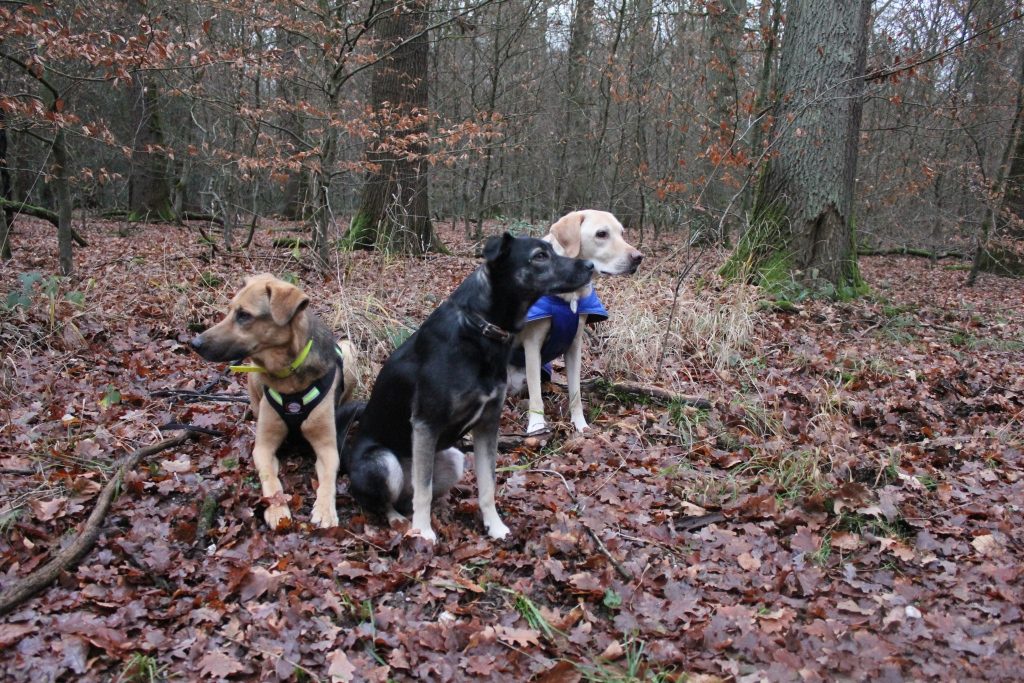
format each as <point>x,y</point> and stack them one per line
<point>637,258</point>
<point>197,342</point>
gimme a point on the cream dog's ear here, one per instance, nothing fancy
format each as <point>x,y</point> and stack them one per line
<point>286,301</point>
<point>566,232</point>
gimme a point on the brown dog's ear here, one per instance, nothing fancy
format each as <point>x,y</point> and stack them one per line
<point>567,234</point>
<point>286,301</point>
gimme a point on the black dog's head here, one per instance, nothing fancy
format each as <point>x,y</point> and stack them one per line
<point>531,268</point>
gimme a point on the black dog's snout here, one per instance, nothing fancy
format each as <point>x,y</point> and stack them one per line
<point>197,342</point>
<point>589,265</point>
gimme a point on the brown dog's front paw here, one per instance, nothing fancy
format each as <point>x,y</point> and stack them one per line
<point>278,516</point>
<point>325,515</point>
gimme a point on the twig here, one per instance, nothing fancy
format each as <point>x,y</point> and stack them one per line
<point>602,385</point>
<point>622,571</point>
<point>199,396</point>
<point>28,586</point>
<point>175,426</point>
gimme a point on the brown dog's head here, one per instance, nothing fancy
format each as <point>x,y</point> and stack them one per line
<point>264,315</point>
<point>595,236</point>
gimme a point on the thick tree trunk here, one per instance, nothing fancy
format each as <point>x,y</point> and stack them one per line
<point>803,214</point>
<point>725,36</point>
<point>149,188</point>
<point>394,212</point>
<point>1005,211</point>
<point>572,191</point>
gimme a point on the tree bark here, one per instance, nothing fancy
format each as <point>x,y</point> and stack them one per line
<point>725,35</point>
<point>62,190</point>
<point>394,211</point>
<point>149,188</point>
<point>803,215</point>
<point>6,214</point>
<point>572,191</point>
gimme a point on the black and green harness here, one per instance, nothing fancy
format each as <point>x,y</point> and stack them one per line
<point>294,408</point>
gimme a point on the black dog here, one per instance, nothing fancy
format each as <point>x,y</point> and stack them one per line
<point>449,378</point>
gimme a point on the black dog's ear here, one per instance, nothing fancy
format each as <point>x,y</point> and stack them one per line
<point>497,247</point>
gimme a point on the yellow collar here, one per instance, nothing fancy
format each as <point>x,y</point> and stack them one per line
<point>295,364</point>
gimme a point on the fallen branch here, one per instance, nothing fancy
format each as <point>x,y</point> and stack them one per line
<point>600,385</point>
<point>40,212</point>
<point>28,586</point>
<point>199,396</point>
<point>909,251</point>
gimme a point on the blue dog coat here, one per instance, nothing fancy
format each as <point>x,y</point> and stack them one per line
<point>564,325</point>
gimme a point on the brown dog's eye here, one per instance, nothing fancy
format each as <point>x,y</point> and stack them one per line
<point>601,234</point>
<point>241,317</point>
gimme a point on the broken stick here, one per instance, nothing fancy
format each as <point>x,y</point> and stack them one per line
<point>600,385</point>
<point>28,586</point>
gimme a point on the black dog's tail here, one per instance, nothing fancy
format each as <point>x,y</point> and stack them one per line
<point>345,415</point>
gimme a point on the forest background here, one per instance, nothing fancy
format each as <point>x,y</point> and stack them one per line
<point>807,405</point>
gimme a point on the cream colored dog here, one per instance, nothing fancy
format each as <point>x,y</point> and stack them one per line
<point>594,236</point>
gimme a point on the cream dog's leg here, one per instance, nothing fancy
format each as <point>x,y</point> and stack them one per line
<point>573,358</point>
<point>533,338</point>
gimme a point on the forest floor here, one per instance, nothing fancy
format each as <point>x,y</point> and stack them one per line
<point>850,507</point>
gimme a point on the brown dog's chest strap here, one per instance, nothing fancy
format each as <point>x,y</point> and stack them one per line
<point>295,408</point>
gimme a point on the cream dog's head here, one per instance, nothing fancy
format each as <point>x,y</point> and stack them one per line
<point>595,236</point>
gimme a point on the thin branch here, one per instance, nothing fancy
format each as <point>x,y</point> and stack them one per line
<point>26,587</point>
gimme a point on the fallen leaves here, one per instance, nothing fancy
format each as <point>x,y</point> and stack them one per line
<point>848,508</point>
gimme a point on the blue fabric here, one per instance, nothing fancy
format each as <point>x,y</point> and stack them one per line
<point>564,325</point>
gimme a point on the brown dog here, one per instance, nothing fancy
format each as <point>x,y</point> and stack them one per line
<point>301,375</point>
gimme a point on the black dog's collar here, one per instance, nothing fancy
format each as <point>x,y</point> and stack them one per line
<point>489,330</point>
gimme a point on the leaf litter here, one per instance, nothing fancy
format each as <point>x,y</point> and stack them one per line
<point>850,506</point>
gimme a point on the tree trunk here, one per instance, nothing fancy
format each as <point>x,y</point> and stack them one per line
<point>6,215</point>
<point>725,35</point>
<point>62,191</point>
<point>149,188</point>
<point>572,191</point>
<point>394,212</point>
<point>1006,199</point>
<point>771,18</point>
<point>803,214</point>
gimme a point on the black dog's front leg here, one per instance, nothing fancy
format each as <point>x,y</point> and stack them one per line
<point>485,456</point>
<point>424,445</point>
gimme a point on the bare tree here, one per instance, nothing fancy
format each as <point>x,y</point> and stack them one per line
<point>802,217</point>
<point>394,214</point>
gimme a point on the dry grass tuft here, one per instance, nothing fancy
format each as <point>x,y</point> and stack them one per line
<point>709,329</point>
